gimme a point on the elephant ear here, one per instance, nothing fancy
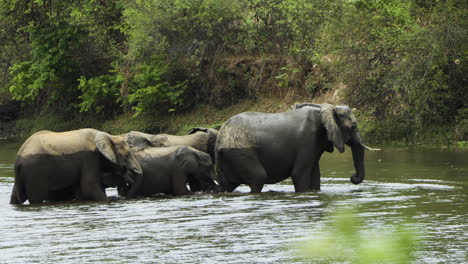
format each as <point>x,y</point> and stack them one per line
<point>185,156</point>
<point>105,145</point>
<point>138,140</point>
<point>334,132</point>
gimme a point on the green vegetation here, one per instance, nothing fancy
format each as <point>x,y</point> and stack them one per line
<point>402,63</point>
<point>343,241</point>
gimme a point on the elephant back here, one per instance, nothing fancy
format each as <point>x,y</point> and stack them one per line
<point>59,143</point>
<point>235,134</point>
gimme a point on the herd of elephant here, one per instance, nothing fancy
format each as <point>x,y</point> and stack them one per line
<point>250,148</point>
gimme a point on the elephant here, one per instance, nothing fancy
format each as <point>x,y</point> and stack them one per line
<point>262,148</point>
<point>169,170</point>
<point>77,164</point>
<point>202,139</point>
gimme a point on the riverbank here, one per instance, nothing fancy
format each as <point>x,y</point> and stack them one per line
<point>384,132</point>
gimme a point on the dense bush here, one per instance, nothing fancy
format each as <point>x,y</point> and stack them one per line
<point>63,41</point>
<point>403,61</point>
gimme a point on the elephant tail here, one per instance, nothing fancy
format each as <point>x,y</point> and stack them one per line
<point>18,194</point>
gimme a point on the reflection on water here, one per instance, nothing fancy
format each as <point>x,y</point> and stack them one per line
<point>426,186</point>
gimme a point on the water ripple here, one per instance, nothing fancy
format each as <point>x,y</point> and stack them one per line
<point>240,227</point>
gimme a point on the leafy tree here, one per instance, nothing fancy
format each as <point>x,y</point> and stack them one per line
<point>67,40</point>
<point>397,62</point>
<point>169,41</point>
<point>404,61</point>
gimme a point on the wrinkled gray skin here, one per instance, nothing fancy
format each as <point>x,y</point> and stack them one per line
<point>258,148</point>
<point>203,139</point>
<point>76,164</point>
<point>169,170</point>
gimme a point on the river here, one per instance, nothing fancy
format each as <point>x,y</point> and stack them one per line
<point>424,186</point>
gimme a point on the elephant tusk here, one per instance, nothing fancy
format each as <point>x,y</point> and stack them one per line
<point>216,182</point>
<point>368,148</point>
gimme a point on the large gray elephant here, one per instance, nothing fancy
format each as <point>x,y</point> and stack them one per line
<point>259,148</point>
<point>203,139</point>
<point>169,170</point>
<point>76,164</point>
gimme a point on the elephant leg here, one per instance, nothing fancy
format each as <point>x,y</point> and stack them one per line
<point>31,179</point>
<point>36,194</point>
<point>315,177</point>
<point>306,176</point>
<point>256,188</point>
<point>90,187</point>
<point>308,179</point>
<point>92,192</point>
<point>302,181</point>
<point>301,174</point>
<point>227,178</point>
<point>179,183</point>
<point>67,194</point>
<point>180,189</point>
<point>36,190</point>
<point>248,168</point>
<point>17,196</point>
<point>14,199</point>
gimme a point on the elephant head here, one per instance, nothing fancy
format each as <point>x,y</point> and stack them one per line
<point>138,140</point>
<point>211,136</point>
<point>116,150</point>
<point>200,168</point>
<point>342,128</point>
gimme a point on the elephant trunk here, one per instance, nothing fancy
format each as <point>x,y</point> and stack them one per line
<point>209,185</point>
<point>135,184</point>
<point>358,159</point>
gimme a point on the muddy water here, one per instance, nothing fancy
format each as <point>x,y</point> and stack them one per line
<point>425,186</point>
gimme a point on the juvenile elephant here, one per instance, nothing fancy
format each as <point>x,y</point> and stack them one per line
<point>77,164</point>
<point>169,170</point>
<point>258,148</point>
<point>203,139</point>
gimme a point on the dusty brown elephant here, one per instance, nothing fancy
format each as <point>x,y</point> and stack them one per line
<point>203,139</point>
<point>76,164</point>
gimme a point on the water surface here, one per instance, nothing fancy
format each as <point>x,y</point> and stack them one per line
<point>426,186</point>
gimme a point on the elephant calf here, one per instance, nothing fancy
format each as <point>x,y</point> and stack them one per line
<point>169,170</point>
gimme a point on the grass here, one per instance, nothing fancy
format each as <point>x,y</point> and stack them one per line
<point>394,132</point>
<point>202,115</point>
<point>26,126</point>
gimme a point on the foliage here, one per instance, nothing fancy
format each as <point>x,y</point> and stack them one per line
<point>51,60</point>
<point>67,41</point>
<point>152,89</point>
<point>186,34</point>
<point>99,93</point>
<point>401,61</point>
<point>289,27</point>
<point>343,241</point>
